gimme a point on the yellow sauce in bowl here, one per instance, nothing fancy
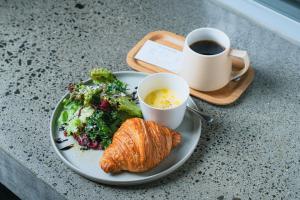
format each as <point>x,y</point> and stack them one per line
<point>163,99</point>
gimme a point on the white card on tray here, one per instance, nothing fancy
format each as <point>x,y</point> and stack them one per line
<point>159,55</point>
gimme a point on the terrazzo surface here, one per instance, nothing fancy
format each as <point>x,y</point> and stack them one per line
<point>251,151</point>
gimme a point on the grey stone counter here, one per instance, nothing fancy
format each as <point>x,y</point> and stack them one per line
<point>252,151</point>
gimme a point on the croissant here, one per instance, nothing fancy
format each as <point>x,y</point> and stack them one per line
<point>138,146</point>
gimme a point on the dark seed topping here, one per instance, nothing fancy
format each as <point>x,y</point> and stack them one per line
<point>67,147</point>
<point>59,140</point>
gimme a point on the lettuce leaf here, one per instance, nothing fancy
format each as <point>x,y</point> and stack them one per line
<point>73,126</point>
<point>129,107</point>
<point>91,95</point>
<point>85,113</point>
<point>70,107</point>
<point>101,75</point>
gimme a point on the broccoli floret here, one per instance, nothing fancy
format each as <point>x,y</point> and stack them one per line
<point>101,75</point>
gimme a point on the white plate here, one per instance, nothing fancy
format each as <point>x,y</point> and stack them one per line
<point>86,163</point>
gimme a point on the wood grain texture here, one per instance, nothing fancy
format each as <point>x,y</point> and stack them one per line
<point>224,96</point>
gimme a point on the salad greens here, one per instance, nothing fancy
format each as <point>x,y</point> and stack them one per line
<point>69,109</point>
<point>93,113</point>
<point>101,75</point>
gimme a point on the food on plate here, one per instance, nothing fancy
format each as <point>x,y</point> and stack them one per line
<point>163,99</point>
<point>138,146</point>
<point>92,113</point>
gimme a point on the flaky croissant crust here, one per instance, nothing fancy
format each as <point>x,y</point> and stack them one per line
<point>138,146</point>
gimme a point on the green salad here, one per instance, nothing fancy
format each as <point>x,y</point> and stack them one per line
<point>93,113</point>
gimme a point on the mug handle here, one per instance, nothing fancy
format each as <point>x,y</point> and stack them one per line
<point>244,56</point>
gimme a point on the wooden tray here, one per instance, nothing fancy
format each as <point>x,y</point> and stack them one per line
<point>224,96</point>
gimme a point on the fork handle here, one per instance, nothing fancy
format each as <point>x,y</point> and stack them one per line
<point>204,116</point>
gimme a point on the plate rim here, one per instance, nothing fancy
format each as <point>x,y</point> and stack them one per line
<point>121,183</point>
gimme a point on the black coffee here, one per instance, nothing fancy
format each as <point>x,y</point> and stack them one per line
<point>207,47</point>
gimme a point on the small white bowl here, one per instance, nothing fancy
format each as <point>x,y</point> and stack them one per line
<point>170,117</point>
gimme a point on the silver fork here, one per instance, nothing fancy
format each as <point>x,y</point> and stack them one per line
<point>202,115</point>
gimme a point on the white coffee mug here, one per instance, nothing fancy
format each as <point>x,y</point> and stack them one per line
<point>210,72</point>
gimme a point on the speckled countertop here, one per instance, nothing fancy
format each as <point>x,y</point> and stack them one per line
<point>252,151</point>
